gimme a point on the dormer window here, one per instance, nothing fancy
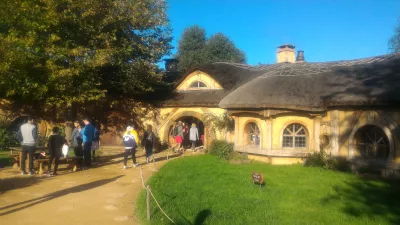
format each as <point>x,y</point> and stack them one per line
<point>197,84</point>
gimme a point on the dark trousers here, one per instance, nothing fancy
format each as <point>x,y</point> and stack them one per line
<point>193,144</point>
<point>87,150</point>
<point>130,152</point>
<point>78,152</point>
<point>27,150</point>
<point>54,155</point>
<point>149,150</point>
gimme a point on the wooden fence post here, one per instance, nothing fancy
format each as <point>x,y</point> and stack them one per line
<point>148,202</point>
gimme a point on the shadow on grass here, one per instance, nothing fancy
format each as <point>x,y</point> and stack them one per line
<point>369,198</point>
<point>202,217</point>
<point>84,187</point>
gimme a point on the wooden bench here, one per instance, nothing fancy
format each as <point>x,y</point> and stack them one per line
<point>72,161</point>
<point>15,157</point>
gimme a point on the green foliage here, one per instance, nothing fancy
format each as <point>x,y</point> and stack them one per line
<point>222,149</point>
<point>223,193</point>
<point>7,139</point>
<point>320,159</point>
<point>223,123</point>
<point>238,156</point>
<point>60,54</point>
<point>394,41</point>
<point>194,49</point>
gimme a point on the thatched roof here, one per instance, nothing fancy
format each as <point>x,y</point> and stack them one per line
<point>316,86</point>
<point>230,76</point>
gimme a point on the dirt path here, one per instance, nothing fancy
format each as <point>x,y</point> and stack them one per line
<point>105,195</point>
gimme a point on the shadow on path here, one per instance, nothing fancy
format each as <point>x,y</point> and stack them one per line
<point>57,194</point>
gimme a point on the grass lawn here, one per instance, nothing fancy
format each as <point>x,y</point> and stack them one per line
<point>206,190</point>
<point>5,160</point>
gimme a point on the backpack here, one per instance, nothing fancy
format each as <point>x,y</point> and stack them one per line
<point>175,131</point>
<point>129,141</point>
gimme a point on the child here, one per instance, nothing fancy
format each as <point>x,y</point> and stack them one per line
<point>55,145</point>
<point>149,140</point>
<point>130,139</point>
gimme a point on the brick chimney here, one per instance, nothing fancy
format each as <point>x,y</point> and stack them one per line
<point>286,54</point>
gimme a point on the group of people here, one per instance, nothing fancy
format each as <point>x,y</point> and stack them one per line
<point>84,140</point>
<point>182,134</point>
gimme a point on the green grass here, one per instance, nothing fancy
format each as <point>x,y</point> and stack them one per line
<point>5,159</point>
<point>206,190</point>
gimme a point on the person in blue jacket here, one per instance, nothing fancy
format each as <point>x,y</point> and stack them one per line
<point>87,133</point>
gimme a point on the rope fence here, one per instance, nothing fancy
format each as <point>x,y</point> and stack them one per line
<point>149,192</point>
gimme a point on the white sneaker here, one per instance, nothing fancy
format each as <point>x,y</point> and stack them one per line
<point>136,165</point>
<point>124,167</point>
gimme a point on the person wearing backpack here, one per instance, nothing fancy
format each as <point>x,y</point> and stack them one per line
<point>76,142</point>
<point>95,142</point>
<point>130,140</point>
<point>149,141</point>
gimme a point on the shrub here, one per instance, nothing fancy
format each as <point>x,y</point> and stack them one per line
<point>317,159</point>
<point>222,149</point>
<point>7,139</point>
<point>338,163</point>
<point>238,156</point>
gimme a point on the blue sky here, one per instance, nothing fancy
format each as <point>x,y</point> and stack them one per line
<point>326,30</point>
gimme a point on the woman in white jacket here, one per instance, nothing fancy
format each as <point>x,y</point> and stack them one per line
<point>193,135</point>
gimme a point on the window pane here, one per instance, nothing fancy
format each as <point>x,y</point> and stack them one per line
<point>286,131</point>
<point>287,141</point>
<point>302,132</point>
<point>201,84</point>
<point>194,84</point>
<point>300,142</point>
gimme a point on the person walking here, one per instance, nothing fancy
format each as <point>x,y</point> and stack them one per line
<point>55,145</point>
<point>87,137</point>
<point>130,139</point>
<point>149,141</point>
<point>27,135</point>
<point>76,142</point>
<point>194,136</point>
<point>179,137</point>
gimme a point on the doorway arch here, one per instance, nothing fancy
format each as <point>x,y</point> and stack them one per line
<point>358,138</point>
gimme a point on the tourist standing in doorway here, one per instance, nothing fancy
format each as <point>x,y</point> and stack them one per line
<point>179,137</point>
<point>55,144</point>
<point>87,136</point>
<point>130,139</point>
<point>76,142</point>
<point>149,141</point>
<point>194,136</point>
<point>186,141</point>
<point>27,135</point>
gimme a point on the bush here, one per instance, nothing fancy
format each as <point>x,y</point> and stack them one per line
<point>238,156</point>
<point>317,159</point>
<point>338,163</point>
<point>7,139</point>
<point>222,149</point>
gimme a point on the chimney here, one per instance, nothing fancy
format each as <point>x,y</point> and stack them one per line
<point>286,54</point>
<point>300,56</point>
<point>171,65</point>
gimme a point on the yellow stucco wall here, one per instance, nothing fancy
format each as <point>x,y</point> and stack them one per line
<point>198,76</point>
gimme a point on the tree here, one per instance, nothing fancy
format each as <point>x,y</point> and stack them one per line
<point>62,56</point>
<point>394,41</point>
<point>195,49</point>
<point>220,49</point>
<point>190,47</point>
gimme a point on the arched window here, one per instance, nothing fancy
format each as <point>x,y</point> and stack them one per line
<point>197,84</point>
<point>252,134</point>
<point>294,136</point>
<point>371,141</point>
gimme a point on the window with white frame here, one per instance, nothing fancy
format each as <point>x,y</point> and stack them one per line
<point>294,136</point>
<point>197,84</point>
<point>252,134</point>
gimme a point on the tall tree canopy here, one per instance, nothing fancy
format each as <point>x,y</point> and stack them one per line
<point>394,41</point>
<point>194,48</point>
<point>57,55</point>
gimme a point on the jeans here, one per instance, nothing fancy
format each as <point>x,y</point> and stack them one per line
<point>54,155</point>
<point>27,150</point>
<point>127,153</point>
<point>87,150</point>
<point>193,144</point>
<point>78,152</point>
<point>149,150</point>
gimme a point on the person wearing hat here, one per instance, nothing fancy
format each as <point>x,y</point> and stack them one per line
<point>131,141</point>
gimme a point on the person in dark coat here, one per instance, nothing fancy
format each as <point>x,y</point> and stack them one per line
<point>76,142</point>
<point>149,141</point>
<point>55,144</point>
